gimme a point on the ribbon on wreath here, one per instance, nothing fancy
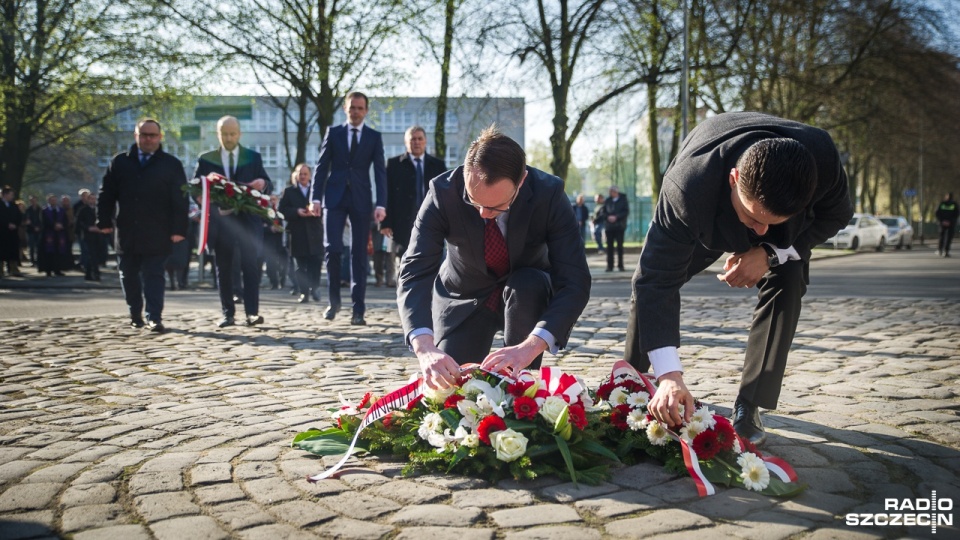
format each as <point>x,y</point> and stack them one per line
<point>776,466</point>
<point>396,400</point>
<point>204,213</point>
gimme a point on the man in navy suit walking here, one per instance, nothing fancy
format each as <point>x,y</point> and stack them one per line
<point>342,176</point>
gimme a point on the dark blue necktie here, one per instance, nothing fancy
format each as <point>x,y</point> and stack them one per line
<point>353,143</point>
<point>143,159</point>
<point>421,192</point>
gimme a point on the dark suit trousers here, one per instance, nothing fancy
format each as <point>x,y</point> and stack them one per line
<point>334,220</point>
<point>615,237</point>
<point>772,330</point>
<point>141,277</point>
<point>243,235</point>
<point>526,295</point>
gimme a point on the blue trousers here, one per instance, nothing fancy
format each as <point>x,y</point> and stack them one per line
<point>141,278</point>
<point>334,220</point>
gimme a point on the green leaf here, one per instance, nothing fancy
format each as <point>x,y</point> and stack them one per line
<point>314,432</point>
<point>594,447</point>
<point>520,425</point>
<point>567,458</point>
<point>451,417</point>
<point>461,453</point>
<point>329,444</point>
<point>779,488</point>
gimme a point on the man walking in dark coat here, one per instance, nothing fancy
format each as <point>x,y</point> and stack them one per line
<point>143,188</point>
<point>947,214</point>
<point>765,189</point>
<point>615,212</point>
<point>10,219</point>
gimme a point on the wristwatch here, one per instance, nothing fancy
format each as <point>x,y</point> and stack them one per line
<point>772,258</point>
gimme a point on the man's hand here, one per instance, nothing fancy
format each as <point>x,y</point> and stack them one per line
<point>386,231</point>
<point>11,226</point>
<point>176,238</point>
<point>107,230</point>
<point>93,229</point>
<point>439,369</point>
<point>671,393</point>
<point>379,214</point>
<point>304,212</point>
<point>612,219</point>
<point>745,269</point>
<point>510,360</point>
<point>258,184</point>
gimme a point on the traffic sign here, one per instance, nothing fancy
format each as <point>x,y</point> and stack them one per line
<point>910,192</point>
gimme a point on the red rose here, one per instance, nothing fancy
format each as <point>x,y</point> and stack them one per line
<point>518,388</point>
<point>706,444</point>
<point>577,415</point>
<point>228,189</point>
<point>618,417</point>
<point>264,203</point>
<point>451,402</point>
<point>725,433</point>
<point>414,402</point>
<point>525,407</point>
<point>488,426</point>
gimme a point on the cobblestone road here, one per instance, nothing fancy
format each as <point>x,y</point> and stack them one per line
<point>110,433</point>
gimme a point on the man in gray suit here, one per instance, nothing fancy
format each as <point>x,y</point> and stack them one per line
<point>765,189</point>
<point>514,262</point>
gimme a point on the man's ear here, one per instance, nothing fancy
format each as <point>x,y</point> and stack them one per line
<point>734,177</point>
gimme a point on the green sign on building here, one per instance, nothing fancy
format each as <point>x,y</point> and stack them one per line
<point>190,133</point>
<point>215,112</point>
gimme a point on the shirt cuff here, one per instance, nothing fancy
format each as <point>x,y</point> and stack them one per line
<point>789,254</point>
<point>665,360</point>
<point>417,332</point>
<point>547,337</point>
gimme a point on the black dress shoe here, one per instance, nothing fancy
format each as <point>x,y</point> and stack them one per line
<point>225,322</point>
<point>156,327</point>
<point>254,320</point>
<point>136,323</point>
<point>330,312</point>
<point>303,299</point>
<point>746,422</point>
<point>357,320</point>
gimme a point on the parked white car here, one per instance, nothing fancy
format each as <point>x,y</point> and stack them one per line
<point>899,231</point>
<point>863,231</point>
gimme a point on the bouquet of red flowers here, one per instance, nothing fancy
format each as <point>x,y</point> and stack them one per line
<point>232,196</point>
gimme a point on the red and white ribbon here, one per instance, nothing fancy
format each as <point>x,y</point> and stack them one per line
<point>204,212</point>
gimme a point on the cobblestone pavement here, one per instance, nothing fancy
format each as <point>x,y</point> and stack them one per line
<point>111,433</point>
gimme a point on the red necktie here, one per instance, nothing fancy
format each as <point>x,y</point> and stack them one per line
<point>497,259</point>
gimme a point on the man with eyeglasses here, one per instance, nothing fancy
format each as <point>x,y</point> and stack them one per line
<point>514,262</point>
<point>141,195</point>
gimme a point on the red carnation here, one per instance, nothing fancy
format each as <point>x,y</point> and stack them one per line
<point>387,421</point>
<point>618,417</point>
<point>264,203</point>
<point>577,415</point>
<point>518,388</point>
<point>525,407</point>
<point>725,433</point>
<point>748,446</point>
<point>488,426</point>
<point>451,402</point>
<point>706,444</point>
<point>604,390</point>
<point>364,402</point>
<point>414,402</point>
<point>228,189</point>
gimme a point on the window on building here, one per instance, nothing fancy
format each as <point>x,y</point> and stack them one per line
<point>127,120</point>
<point>396,121</point>
<point>453,156</point>
<point>263,120</point>
<point>270,154</point>
<point>428,119</point>
<point>393,150</point>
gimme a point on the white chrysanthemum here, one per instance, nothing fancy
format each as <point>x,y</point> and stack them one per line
<point>436,440</point>
<point>637,420</point>
<point>432,422</point>
<point>271,213</point>
<point>438,395</point>
<point>256,193</point>
<point>618,396</point>
<point>749,458</point>
<point>755,475</point>
<point>657,434</point>
<point>705,416</point>
<point>690,431</point>
<point>638,400</point>
<point>471,413</point>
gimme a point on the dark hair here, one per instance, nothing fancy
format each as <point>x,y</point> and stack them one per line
<point>780,174</point>
<point>6,189</point>
<point>148,120</point>
<point>494,156</point>
<point>351,95</point>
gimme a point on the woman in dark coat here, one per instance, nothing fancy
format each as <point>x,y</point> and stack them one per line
<point>55,254</point>
<point>306,232</point>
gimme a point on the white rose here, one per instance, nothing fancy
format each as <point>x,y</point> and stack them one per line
<point>271,213</point>
<point>439,395</point>
<point>256,193</point>
<point>509,444</point>
<point>552,408</point>
<point>195,181</point>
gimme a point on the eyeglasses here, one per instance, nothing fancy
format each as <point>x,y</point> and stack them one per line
<point>148,135</point>
<point>466,199</point>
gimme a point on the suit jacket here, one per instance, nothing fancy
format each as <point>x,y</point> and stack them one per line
<point>306,233</point>
<point>336,169</point>
<point>148,201</point>
<point>440,292</point>
<point>695,208</point>
<point>402,192</point>
<point>249,168</point>
<point>619,208</point>
<point>10,239</point>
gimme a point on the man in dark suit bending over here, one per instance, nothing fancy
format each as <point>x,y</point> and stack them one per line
<point>765,189</point>
<point>342,178</point>
<point>514,262</point>
<point>230,232</point>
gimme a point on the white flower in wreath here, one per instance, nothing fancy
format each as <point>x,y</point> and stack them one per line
<point>474,387</point>
<point>432,424</point>
<point>657,434</point>
<point>637,420</point>
<point>271,213</point>
<point>257,193</point>
<point>552,408</point>
<point>755,475</point>
<point>638,400</point>
<point>470,411</point>
<point>438,395</point>
<point>690,431</point>
<point>705,416</point>
<point>439,440</point>
<point>195,181</point>
<point>465,437</point>
<point>736,446</point>
<point>618,396</point>
<point>488,407</point>
<point>509,444</point>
